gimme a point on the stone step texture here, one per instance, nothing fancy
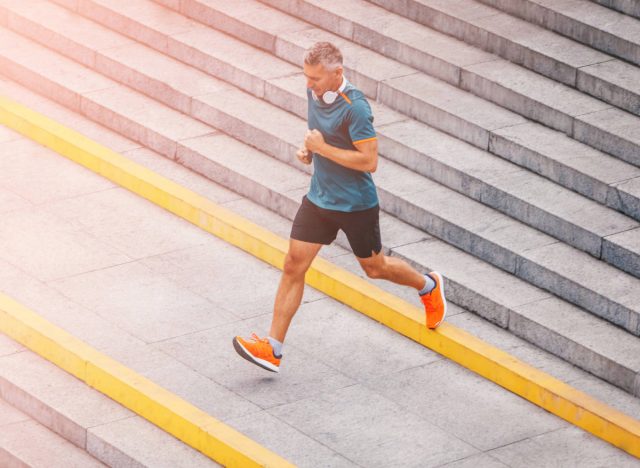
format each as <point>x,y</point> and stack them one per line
<point>128,65</point>
<point>596,176</point>
<point>465,223</point>
<point>627,324</point>
<point>490,299</point>
<point>538,98</point>
<point>176,152</point>
<point>555,56</point>
<point>58,421</point>
<point>629,7</point>
<point>504,198</point>
<point>292,438</point>
<point>597,26</point>
<point>26,443</point>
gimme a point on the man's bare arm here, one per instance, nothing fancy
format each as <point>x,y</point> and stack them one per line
<point>364,158</point>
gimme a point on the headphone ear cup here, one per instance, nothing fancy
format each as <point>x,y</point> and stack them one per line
<point>329,97</point>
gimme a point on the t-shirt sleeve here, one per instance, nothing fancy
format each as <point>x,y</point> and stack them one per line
<point>361,122</point>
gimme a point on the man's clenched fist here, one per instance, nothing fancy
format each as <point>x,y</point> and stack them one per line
<point>304,155</point>
<point>314,141</point>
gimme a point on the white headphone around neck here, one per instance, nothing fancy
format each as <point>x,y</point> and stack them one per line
<point>329,97</point>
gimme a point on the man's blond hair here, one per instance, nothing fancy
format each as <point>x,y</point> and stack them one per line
<point>324,53</point>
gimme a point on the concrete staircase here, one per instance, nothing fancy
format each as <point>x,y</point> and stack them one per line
<point>508,163</point>
<point>26,443</point>
<point>50,419</point>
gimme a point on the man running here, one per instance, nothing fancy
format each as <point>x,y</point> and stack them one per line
<point>341,142</point>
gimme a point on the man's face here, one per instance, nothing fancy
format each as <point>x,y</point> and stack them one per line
<point>321,80</point>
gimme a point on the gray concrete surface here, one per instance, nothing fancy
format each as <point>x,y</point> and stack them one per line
<point>602,28</point>
<point>325,374</point>
<point>351,392</point>
<point>474,283</point>
<point>449,60</point>
<point>247,178</point>
<point>365,67</point>
<point>523,43</point>
<point>26,443</point>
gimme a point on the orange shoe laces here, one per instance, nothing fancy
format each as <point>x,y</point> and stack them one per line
<point>264,347</point>
<point>257,339</point>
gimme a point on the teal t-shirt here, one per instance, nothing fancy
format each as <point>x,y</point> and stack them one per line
<point>343,123</point>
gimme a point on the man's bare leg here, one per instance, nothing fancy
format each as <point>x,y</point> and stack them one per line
<point>398,271</point>
<point>392,269</point>
<point>289,295</point>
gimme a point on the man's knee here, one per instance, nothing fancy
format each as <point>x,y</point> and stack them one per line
<point>295,265</point>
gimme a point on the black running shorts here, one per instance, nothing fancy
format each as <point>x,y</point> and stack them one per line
<point>321,226</point>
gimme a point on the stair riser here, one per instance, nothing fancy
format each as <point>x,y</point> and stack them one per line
<point>604,141</point>
<point>624,259</point>
<point>573,352</point>
<point>601,306</point>
<point>608,92</point>
<point>200,12</point>
<point>8,460</point>
<point>498,199</point>
<point>481,38</point>
<point>433,116</point>
<point>569,27</point>
<point>44,414</point>
<point>516,102</point>
<point>629,7</point>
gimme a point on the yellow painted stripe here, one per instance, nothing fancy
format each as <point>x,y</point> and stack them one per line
<point>536,386</point>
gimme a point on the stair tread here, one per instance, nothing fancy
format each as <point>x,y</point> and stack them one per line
<point>44,448</point>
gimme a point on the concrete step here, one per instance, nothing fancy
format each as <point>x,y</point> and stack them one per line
<point>439,104</point>
<point>566,221</point>
<point>550,54</point>
<point>609,129</point>
<point>26,443</point>
<point>597,26</point>
<point>368,69</point>
<point>489,292</point>
<point>571,164</point>
<point>628,7</point>
<point>74,425</point>
<point>460,221</point>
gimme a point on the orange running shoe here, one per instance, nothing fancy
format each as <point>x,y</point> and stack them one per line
<point>435,304</point>
<point>258,351</point>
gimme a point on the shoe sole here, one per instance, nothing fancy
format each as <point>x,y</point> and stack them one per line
<point>444,300</point>
<point>242,351</point>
